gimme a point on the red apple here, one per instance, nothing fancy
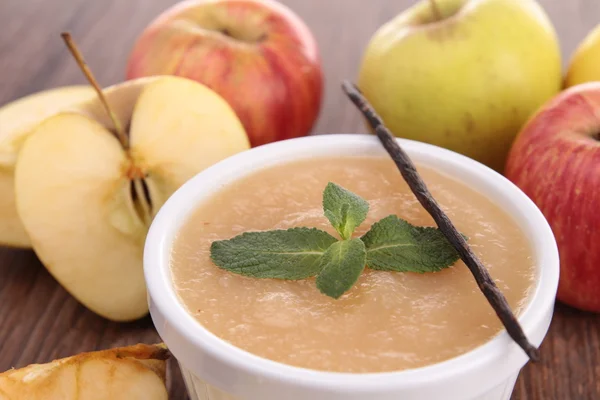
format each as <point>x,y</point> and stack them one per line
<point>258,55</point>
<point>555,160</point>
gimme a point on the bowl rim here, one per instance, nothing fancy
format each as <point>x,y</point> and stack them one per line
<point>172,313</point>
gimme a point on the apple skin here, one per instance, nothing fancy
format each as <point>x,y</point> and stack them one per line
<point>555,160</point>
<point>585,63</point>
<point>258,55</point>
<point>467,82</point>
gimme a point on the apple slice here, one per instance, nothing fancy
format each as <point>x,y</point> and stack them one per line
<point>17,119</point>
<point>86,200</point>
<point>72,195</point>
<point>127,373</point>
<point>195,134</point>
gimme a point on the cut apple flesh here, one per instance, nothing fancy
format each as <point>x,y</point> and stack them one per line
<point>17,119</point>
<point>86,202</point>
<point>12,232</point>
<point>72,195</point>
<point>173,147</point>
<point>133,373</point>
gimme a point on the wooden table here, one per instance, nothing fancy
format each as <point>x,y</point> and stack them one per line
<point>39,321</point>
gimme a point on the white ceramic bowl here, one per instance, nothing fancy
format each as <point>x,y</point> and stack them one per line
<point>216,370</point>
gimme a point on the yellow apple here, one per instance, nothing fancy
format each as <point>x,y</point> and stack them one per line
<point>585,63</point>
<point>466,79</point>
<point>126,373</point>
<point>17,119</point>
<point>86,198</point>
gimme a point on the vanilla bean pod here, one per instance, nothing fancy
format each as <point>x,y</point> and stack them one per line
<point>418,187</point>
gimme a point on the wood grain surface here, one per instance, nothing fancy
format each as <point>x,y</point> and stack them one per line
<point>39,321</point>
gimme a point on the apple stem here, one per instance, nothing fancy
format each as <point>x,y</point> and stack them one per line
<point>437,14</point>
<point>120,132</point>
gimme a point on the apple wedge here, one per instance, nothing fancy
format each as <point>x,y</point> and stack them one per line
<point>86,198</point>
<point>127,373</point>
<point>17,119</point>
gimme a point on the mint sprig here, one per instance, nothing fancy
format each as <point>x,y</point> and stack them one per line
<point>391,244</point>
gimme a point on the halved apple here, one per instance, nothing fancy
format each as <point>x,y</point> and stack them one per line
<point>127,373</point>
<point>17,119</point>
<point>86,200</point>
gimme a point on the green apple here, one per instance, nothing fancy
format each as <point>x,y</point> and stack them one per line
<point>464,75</point>
<point>585,63</point>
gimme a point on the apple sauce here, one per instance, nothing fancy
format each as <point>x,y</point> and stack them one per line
<point>388,321</point>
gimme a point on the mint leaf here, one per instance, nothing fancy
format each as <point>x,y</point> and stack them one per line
<point>344,209</point>
<point>393,244</point>
<point>281,254</point>
<point>342,264</point>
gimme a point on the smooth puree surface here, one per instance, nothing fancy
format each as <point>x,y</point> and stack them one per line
<point>388,321</point>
